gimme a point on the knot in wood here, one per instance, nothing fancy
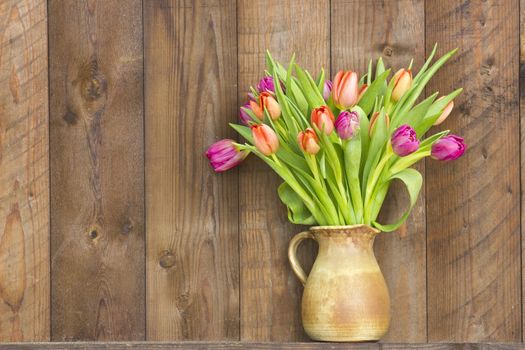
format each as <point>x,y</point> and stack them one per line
<point>93,88</point>
<point>387,51</point>
<point>167,260</point>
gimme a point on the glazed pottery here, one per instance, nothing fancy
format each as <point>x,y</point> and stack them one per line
<point>345,295</point>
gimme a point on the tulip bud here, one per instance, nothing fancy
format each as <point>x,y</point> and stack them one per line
<point>347,124</point>
<point>257,110</point>
<point>327,89</point>
<point>446,111</point>
<point>373,121</point>
<point>345,91</point>
<point>308,141</point>
<point>404,141</point>
<point>243,116</point>
<point>265,139</point>
<point>266,84</point>
<point>402,83</point>
<point>323,118</point>
<point>362,91</point>
<point>448,148</point>
<point>224,155</point>
<point>266,100</point>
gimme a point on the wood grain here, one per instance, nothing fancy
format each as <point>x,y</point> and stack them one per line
<point>270,293</point>
<point>97,170</point>
<point>393,30</point>
<point>192,213</point>
<point>24,176</point>
<point>522,147</point>
<point>473,204</point>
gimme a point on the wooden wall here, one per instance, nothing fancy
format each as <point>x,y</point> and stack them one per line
<point>113,226</point>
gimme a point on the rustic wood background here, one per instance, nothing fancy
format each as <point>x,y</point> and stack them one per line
<point>113,226</point>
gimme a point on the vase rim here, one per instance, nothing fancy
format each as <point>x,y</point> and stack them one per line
<point>344,228</point>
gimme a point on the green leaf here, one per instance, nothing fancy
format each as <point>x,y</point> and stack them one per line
<point>369,73</point>
<point>298,213</point>
<point>244,131</point>
<point>434,112</point>
<point>369,97</point>
<point>413,182</point>
<point>416,115</point>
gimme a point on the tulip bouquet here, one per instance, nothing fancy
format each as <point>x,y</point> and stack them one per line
<point>338,145</point>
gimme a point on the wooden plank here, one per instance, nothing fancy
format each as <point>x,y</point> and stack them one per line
<point>192,213</point>
<point>97,167</point>
<point>473,204</point>
<point>393,30</point>
<point>24,178</point>
<point>270,293</point>
<point>522,145</point>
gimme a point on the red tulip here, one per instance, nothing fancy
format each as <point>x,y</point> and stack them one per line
<point>265,139</point>
<point>308,141</point>
<point>323,118</point>
<point>345,91</point>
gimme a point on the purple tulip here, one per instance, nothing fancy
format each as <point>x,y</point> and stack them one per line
<point>243,116</point>
<point>327,89</point>
<point>223,155</point>
<point>448,148</point>
<point>347,124</point>
<point>266,84</point>
<point>404,141</point>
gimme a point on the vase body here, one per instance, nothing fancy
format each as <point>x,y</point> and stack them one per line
<point>345,296</point>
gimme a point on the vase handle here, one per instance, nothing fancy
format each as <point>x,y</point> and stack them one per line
<point>292,254</point>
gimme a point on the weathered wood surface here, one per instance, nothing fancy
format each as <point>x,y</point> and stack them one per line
<point>393,30</point>
<point>97,170</point>
<point>192,213</point>
<point>270,293</point>
<point>473,215</point>
<point>522,144</point>
<point>24,175</point>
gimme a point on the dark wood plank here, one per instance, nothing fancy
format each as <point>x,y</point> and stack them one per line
<point>97,167</point>
<point>522,144</point>
<point>473,204</point>
<point>24,177</point>
<point>270,293</point>
<point>192,213</point>
<point>393,30</point>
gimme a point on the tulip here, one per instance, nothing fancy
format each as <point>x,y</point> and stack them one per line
<point>327,89</point>
<point>345,91</point>
<point>446,111</point>
<point>404,141</point>
<point>402,83</point>
<point>224,155</point>
<point>266,100</point>
<point>347,124</point>
<point>373,121</point>
<point>323,118</point>
<point>308,141</point>
<point>243,115</point>
<point>448,148</point>
<point>265,139</point>
<point>257,110</point>
<point>362,91</point>
<point>266,84</point>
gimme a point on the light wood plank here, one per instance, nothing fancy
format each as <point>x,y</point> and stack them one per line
<point>192,213</point>
<point>270,293</point>
<point>24,177</point>
<point>473,204</point>
<point>393,30</point>
<point>97,170</point>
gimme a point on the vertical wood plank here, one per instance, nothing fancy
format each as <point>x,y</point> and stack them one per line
<point>24,178</point>
<point>97,170</point>
<point>393,30</point>
<point>192,213</point>
<point>270,293</point>
<point>522,144</point>
<point>473,204</point>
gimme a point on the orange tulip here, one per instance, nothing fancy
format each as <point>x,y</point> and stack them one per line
<point>362,91</point>
<point>257,110</point>
<point>402,83</point>
<point>265,139</point>
<point>445,113</point>
<point>266,100</point>
<point>345,91</point>
<point>373,121</point>
<point>308,141</point>
<point>323,118</point>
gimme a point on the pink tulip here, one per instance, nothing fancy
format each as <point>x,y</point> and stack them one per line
<point>446,112</point>
<point>323,118</point>
<point>266,84</point>
<point>224,155</point>
<point>308,141</point>
<point>265,139</point>
<point>347,124</point>
<point>448,148</point>
<point>327,89</point>
<point>404,141</point>
<point>402,83</point>
<point>345,91</point>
